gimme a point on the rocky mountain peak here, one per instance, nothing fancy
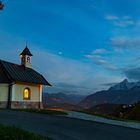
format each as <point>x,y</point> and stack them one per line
<point>124,85</point>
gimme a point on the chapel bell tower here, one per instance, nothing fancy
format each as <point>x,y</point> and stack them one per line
<point>26,57</point>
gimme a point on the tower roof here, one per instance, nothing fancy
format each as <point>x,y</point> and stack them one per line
<point>26,51</point>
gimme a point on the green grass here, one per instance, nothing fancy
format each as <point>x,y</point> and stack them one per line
<point>43,111</point>
<point>13,133</point>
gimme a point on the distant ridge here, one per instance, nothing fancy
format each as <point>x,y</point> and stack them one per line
<point>61,100</point>
<point>122,93</point>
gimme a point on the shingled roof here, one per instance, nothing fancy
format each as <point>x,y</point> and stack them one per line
<point>10,72</point>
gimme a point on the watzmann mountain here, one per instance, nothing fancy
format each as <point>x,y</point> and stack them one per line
<point>122,93</point>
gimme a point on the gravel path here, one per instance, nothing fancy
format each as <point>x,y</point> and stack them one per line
<point>102,120</point>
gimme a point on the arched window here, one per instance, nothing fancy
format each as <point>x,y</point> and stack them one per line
<point>26,94</point>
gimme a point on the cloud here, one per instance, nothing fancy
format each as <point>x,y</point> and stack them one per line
<point>107,79</point>
<point>99,51</point>
<point>133,73</point>
<point>125,42</point>
<point>123,21</point>
<point>100,61</point>
<point>110,84</point>
<point>77,77</point>
<point>71,89</point>
<point>59,68</point>
<point>97,57</point>
<point>71,76</point>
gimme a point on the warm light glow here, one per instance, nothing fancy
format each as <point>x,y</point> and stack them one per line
<point>26,94</point>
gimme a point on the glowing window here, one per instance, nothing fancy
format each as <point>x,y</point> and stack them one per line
<point>26,94</point>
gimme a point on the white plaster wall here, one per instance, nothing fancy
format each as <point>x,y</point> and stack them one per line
<point>18,89</point>
<point>3,92</point>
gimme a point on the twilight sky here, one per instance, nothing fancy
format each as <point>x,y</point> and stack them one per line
<point>80,46</point>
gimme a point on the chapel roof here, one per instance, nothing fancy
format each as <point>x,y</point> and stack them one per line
<point>10,72</point>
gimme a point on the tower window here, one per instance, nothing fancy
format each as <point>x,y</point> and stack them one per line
<point>26,94</point>
<point>28,59</point>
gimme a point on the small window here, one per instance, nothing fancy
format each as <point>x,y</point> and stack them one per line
<point>26,94</point>
<point>28,59</point>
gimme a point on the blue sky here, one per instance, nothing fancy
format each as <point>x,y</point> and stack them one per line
<point>80,46</point>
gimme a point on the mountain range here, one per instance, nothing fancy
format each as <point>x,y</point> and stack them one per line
<point>122,93</point>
